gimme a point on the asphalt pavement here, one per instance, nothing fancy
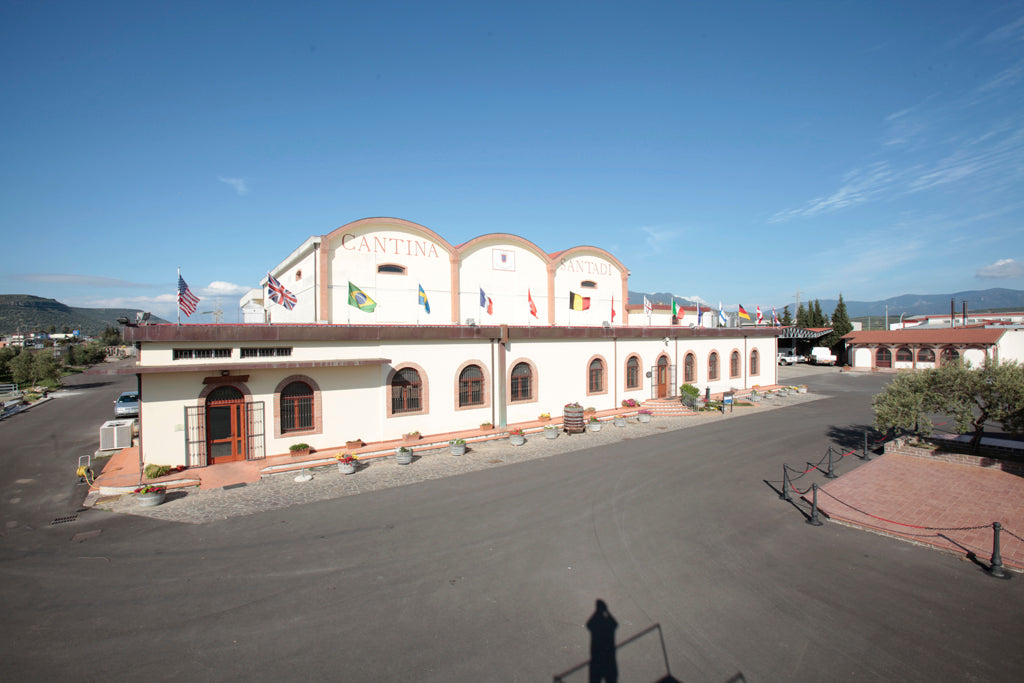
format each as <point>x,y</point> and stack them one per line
<point>491,576</point>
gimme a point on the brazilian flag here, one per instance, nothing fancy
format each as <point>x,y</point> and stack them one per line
<point>359,299</point>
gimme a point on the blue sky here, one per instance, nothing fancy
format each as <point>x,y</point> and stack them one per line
<point>733,151</point>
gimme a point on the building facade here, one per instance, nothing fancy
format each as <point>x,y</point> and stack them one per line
<point>502,333</point>
<point>911,348</point>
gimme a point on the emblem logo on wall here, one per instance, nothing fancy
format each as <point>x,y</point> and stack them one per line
<point>503,259</point>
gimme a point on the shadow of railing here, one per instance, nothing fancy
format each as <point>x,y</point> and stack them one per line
<point>633,665</point>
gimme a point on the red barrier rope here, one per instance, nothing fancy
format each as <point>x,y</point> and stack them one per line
<point>912,526</point>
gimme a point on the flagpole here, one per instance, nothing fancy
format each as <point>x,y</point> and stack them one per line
<point>177,288</point>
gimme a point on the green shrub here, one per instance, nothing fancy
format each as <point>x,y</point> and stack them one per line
<point>155,471</point>
<point>690,390</point>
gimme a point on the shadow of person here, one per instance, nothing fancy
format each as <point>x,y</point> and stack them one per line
<point>602,625</point>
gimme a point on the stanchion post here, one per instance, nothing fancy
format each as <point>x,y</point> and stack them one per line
<point>785,484</point>
<point>867,453</point>
<point>830,474</point>
<point>996,568</point>
<point>814,521</point>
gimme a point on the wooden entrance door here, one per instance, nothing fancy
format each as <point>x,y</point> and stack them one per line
<point>662,377</point>
<point>225,425</point>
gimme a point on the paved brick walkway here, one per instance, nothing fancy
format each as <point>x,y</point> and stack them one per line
<point>896,495</point>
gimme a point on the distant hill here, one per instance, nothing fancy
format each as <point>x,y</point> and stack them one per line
<point>911,304</point>
<point>27,313</point>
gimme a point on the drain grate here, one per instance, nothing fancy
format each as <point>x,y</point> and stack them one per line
<point>233,486</point>
<point>65,519</point>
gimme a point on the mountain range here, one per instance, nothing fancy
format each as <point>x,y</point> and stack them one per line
<point>27,313</point>
<point>910,304</point>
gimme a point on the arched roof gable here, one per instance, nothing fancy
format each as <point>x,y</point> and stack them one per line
<point>474,243</point>
<point>330,237</point>
<point>577,251</point>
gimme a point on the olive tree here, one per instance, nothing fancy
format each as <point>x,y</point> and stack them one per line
<point>971,396</point>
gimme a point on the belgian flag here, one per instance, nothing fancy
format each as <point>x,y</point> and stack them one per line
<point>577,302</point>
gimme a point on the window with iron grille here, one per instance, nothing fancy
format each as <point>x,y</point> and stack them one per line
<point>734,364</point>
<point>633,373</point>
<point>266,352</point>
<point>471,386</point>
<point>904,355</point>
<point>755,362</point>
<point>184,354</point>
<point>883,358</point>
<point>296,407</point>
<point>713,366</point>
<point>925,356</point>
<point>595,376</point>
<point>522,382</point>
<point>690,369</point>
<point>949,355</point>
<point>406,389</point>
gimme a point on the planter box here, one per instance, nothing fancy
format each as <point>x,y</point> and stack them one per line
<point>300,452</point>
<point>403,457</point>
<point>351,445</point>
<point>550,433</point>
<point>643,417</point>
<point>594,426</point>
<point>457,448</point>
<point>517,439</point>
<point>346,469</point>
<point>411,438</point>
<point>148,500</point>
<point>620,422</point>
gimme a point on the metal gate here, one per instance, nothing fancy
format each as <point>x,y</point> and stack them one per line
<point>195,434</point>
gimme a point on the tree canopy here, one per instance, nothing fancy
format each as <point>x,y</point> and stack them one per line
<point>971,396</point>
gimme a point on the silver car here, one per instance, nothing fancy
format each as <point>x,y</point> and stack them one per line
<point>127,404</point>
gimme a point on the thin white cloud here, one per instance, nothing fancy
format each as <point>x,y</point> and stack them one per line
<point>657,237</point>
<point>238,183</point>
<point>1003,269</point>
<point>1004,79</point>
<point>77,280</point>
<point>1012,31</point>
<point>221,288</point>
<point>858,186</point>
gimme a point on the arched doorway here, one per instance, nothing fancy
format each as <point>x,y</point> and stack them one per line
<point>225,425</point>
<point>662,377</point>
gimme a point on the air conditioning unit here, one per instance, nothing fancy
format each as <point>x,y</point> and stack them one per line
<point>116,434</point>
<point>471,321</point>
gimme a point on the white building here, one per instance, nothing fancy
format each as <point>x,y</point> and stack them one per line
<point>511,332</point>
<point>916,348</point>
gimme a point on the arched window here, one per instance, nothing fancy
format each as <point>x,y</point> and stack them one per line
<point>588,284</point>
<point>522,382</point>
<point>925,356</point>
<point>755,362</point>
<point>406,391</point>
<point>904,355</point>
<point>690,369</point>
<point>713,366</point>
<point>949,355</point>
<point>883,358</point>
<point>633,373</point>
<point>595,377</point>
<point>296,407</point>
<point>734,364</point>
<point>392,268</point>
<point>471,386</point>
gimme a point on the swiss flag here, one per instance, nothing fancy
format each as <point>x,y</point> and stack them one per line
<point>533,306</point>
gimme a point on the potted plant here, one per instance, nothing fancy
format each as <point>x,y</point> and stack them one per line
<point>589,413</point>
<point>629,403</point>
<point>544,417</point>
<point>516,437</point>
<point>643,415</point>
<point>411,437</point>
<point>299,449</point>
<point>486,426</point>
<point>802,388</point>
<point>594,425</point>
<point>150,495</point>
<point>619,421</point>
<point>403,455</point>
<point>346,463</point>
<point>354,444</point>
<point>457,446</point>
<point>550,432</point>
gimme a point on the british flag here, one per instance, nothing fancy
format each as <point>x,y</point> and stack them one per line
<point>280,295</point>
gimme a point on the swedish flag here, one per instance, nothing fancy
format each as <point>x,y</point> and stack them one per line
<point>423,300</point>
<point>359,299</point>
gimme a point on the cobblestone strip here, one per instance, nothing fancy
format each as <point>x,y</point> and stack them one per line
<point>196,506</point>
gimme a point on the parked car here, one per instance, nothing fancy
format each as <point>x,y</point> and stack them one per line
<point>788,358</point>
<point>127,404</point>
<point>822,356</point>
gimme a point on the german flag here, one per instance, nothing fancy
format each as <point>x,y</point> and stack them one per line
<point>577,302</point>
<point>744,314</point>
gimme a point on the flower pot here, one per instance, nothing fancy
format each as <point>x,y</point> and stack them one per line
<point>299,452</point>
<point>517,439</point>
<point>410,438</point>
<point>802,390</point>
<point>403,456</point>
<point>348,468</point>
<point>643,417</point>
<point>457,448</point>
<point>148,500</point>
<point>352,445</point>
<point>594,426</point>
<point>619,421</point>
<point>550,433</point>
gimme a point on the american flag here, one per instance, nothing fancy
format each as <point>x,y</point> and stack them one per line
<point>187,301</point>
<point>280,295</point>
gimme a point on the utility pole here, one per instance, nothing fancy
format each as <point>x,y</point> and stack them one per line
<point>797,295</point>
